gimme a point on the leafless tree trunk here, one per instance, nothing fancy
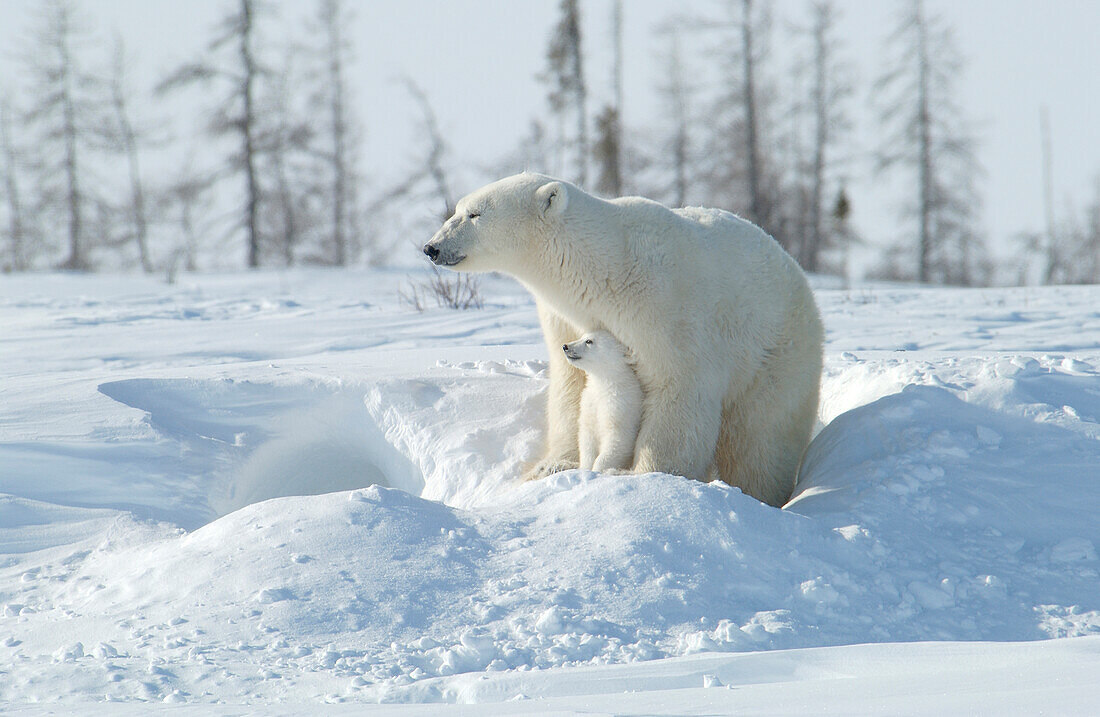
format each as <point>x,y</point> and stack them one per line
<point>577,64</point>
<point>842,209</point>
<point>924,139</point>
<point>827,93</point>
<point>290,231</point>
<point>606,152</point>
<point>565,76</point>
<point>333,20</point>
<point>285,137</point>
<point>235,114</point>
<point>821,133</point>
<point>189,197</point>
<point>752,132</point>
<point>76,258</point>
<point>187,225</point>
<point>1092,235</point>
<point>434,162</point>
<point>248,127</point>
<point>927,135</point>
<point>617,39</point>
<point>1073,256</point>
<point>739,164</point>
<point>680,138</point>
<point>16,231</point>
<point>126,139</point>
<point>676,93</point>
<point>60,117</point>
<point>609,124</point>
<point>1048,198</point>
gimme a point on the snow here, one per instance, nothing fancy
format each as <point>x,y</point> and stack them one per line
<point>290,488</point>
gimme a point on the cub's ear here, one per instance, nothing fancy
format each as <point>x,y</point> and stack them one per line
<point>552,199</point>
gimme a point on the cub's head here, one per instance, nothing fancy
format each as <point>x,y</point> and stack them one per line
<point>494,227</point>
<point>596,351</point>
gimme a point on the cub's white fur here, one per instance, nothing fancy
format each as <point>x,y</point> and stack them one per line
<point>611,403</point>
<point>720,321</point>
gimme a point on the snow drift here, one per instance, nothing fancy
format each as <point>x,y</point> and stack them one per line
<point>321,522</point>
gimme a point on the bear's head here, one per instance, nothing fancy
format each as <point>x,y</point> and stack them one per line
<point>596,352</point>
<point>493,227</point>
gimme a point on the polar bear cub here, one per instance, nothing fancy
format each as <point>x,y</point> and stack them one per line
<point>611,404</point>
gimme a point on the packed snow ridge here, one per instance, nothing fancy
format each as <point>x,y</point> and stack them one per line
<point>209,496</point>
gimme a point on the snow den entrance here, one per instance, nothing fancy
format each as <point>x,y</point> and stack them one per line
<point>243,442</point>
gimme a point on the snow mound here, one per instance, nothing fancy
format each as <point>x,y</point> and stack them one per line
<point>919,517</point>
<point>469,427</point>
<point>267,441</point>
<point>302,516</point>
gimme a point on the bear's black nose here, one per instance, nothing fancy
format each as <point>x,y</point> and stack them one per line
<point>565,347</point>
<point>431,251</point>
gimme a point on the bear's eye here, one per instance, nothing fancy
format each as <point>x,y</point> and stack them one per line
<point>473,215</point>
<point>588,341</point>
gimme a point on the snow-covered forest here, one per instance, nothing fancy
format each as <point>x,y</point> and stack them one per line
<point>248,150</point>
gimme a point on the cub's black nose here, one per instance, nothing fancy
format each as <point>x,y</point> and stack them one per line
<point>565,347</point>
<point>431,251</point>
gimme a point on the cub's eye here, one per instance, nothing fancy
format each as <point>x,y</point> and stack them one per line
<point>473,215</point>
<point>588,341</point>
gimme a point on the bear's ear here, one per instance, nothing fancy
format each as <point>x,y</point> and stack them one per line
<point>552,199</point>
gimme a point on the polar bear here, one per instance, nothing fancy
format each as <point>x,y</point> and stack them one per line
<point>721,322</point>
<point>611,403</point>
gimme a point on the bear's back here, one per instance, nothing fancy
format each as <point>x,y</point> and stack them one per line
<point>699,260</point>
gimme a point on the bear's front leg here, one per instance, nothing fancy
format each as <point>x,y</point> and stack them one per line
<point>679,429</point>
<point>563,404</point>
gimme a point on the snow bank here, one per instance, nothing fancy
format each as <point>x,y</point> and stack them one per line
<point>322,523</point>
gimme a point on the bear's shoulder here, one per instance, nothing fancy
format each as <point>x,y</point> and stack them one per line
<point>709,216</point>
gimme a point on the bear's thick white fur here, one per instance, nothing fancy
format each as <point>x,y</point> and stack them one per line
<point>611,403</point>
<point>720,321</point>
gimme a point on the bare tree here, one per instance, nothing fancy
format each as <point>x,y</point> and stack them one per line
<point>450,289</point>
<point>824,19</point>
<point>428,183</point>
<point>232,62</point>
<point>925,134</point>
<point>752,119</point>
<point>340,145</point>
<point>842,209</point>
<point>827,112</point>
<point>1071,253</point>
<point>17,232</point>
<point>739,170</point>
<point>617,63</point>
<point>437,148</point>
<point>676,92</point>
<point>123,137</point>
<point>609,132</point>
<point>606,152</point>
<point>1090,246</point>
<point>63,114</point>
<point>1048,196</point>
<point>244,27</point>
<point>283,144</point>
<point>189,199</point>
<point>565,76</point>
<point>534,150</point>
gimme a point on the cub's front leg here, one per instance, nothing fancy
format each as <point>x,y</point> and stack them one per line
<point>563,404</point>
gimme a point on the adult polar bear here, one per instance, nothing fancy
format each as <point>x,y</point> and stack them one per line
<point>721,321</point>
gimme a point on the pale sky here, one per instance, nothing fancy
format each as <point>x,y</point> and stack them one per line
<point>477,60</point>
